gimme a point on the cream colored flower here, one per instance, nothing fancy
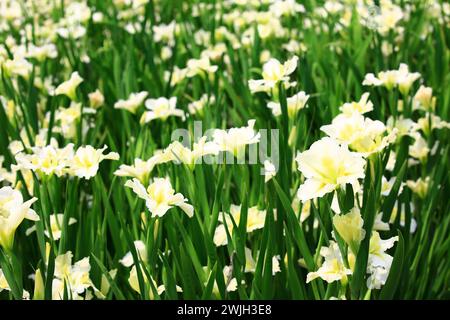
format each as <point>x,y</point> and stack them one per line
<point>423,99</point>
<point>392,78</point>
<point>305,208</point>
<point>40,53</point>
<point>273,73</point>
<point>39,286</point>
<point>160,196</point>
<point>326,166</point>
<point>14,180</point>
<point>230,282</point>
<point>270,170</point>
<point>391,161</point>
<point>190,157</point>
<point>403,126</point>
<point>12,212</point>
<point>294,104</point>
<point>165,32</point>
<point>405,78</point>
<point>385,78</point>
<point>402,219</point>
<point>286,8</point>
<point>377,251</point>
<point>176,76</point>
<point>419,149</point>
<point>6,175</point>
<point>430,122</point>
<point>419,187</point>
<point>140,169</point>
<point>10,107</point>
<point>68,119</point>
<point>96,99</point>
<point>234,140</point>
<point>293,46</point>
<point>77,13</point>
<point>196,107</point>
<point>141,251</point>
<point>364,105</point>
<point>133,280</point>
<point>105,285</point>
<point>250,264</point>
<point>377,278</point>
<point>74,277</point>
<point>333,268</point>
<point>40,140</point>
<point>86,161</point>
<point>199,66</point>
<point>276,265</point>
<point>166,53</point>
<point>134,101</point>
<point>388,17</point>
<point>70,86</point>
<point>47,160</point>
<point>362,135</point>
<point>56,224</point>
<point>3,283</point>
<point>386,186</point>
<point>215,52</point>
<point>350,228</point>
<point>74,31</point>
<point>5,286</point>
<point>255,220</point>
<point>161,108</point>
<point>379,224</point>
<point>18,66</point>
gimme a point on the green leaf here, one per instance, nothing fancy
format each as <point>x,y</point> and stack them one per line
<point>9,273</point>
<point>294,227</point>
<point>395,272</point>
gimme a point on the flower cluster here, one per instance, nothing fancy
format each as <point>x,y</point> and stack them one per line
<point>49,160</point>
<point>260,149</point>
